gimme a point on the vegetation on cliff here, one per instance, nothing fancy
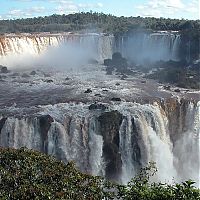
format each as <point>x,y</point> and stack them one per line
<point>27,174</point>
<point>177,73</point>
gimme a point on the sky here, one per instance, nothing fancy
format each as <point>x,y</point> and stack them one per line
<point>187,9</point>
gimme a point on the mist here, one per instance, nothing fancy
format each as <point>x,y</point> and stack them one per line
<point>64,56</point>
<point>150,47</point>
<point>73,51</point>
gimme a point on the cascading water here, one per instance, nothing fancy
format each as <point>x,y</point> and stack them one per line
<point>96,149</point>
<point>145,47</point>
<point>187,148</point>
<point>98,46</point>
<point>144,134</point>
<point>138,47</point>
<point>153,142</point>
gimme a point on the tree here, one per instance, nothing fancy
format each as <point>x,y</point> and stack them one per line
<point>27,174</point>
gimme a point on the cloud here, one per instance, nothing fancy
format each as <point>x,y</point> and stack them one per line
<point>29,12</point>
<point>59,7</point>
<point>168,8</point>
<point>68,6</point>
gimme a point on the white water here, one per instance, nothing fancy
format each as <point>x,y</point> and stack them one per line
<point>74,136</point>
<point>54,50</point>
<point>145,48</point>
<point>187,148</point>
<point>65,49</point>
<point>96,150</point>
<point>153,141</point>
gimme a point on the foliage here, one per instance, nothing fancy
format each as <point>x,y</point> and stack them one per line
<point>109,24</point>
<point>139,188</point>
<point>97,21</point>
<point>27,174</point>
<point>177,73</point>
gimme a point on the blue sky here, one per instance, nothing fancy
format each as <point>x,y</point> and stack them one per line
<point>188,9</point>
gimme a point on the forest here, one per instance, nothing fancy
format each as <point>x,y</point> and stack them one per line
<point>28,174</point>
<point>99,22</point>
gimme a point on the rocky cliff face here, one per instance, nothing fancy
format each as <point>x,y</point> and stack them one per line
<point>116,142</point>
<point>110,123</point>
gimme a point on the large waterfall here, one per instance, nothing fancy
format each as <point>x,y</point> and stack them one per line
<point>98,46</point>
<point>116,140</point>
<point>114,143</point>
<point>140,47</point>
<point>150,47</point>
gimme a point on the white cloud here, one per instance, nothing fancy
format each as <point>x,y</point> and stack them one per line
<point>29,12</point>
<point>69,6</point>
<point>60,7</point>
<point>168,8</point>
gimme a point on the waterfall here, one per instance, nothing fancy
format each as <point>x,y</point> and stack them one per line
<point>146,47</point>
<point>96,150</point>
<point>153,139</point>
<point>176,47</point>
<point>97,46</point>
<point>187,147</point>
<point>139,47</point>
<point>145,133</point>
<point>126,149</point>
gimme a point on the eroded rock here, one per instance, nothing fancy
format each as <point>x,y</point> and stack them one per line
<point>109,128</point>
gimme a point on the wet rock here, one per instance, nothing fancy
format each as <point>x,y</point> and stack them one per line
<point>108,62</point>
<point>3,77</point>
<point>109,70</point>
<point>2,122</point>
<point>97,95</point>
<point>45,124</point>
<point>176,111</point>
<point>177,90</point>
<point>24,75</point>
<point>117,63</point>
<point>124,77</point>
<point>167,87</point>
<point>115,99</point>
<point>88,91</point>
<point>4,70</point>
<point>48,81</point>
<point>67,78</point>
<point>98,106</point>
<point>33,73</point>
<point>117,84</point>
<point>109,128</point>
<point>47,75</point>
<point>15,74</point>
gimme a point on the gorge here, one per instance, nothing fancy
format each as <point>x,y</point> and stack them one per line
<point>50,113</point>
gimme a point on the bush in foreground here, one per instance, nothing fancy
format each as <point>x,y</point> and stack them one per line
<point>27,174</point>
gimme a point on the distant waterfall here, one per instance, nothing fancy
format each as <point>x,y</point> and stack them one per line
<point>98,46</point>
<point>145,47</point>
<point>138,47</point>
<point>146,133</point>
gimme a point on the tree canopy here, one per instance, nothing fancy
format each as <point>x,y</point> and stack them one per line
<point>27,174</point>
<point>92,20</point>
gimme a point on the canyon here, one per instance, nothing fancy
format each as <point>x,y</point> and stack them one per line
<point>133,121</point>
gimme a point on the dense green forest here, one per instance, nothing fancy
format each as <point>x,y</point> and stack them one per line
<point>27,174</point>
<point>96,21</point>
